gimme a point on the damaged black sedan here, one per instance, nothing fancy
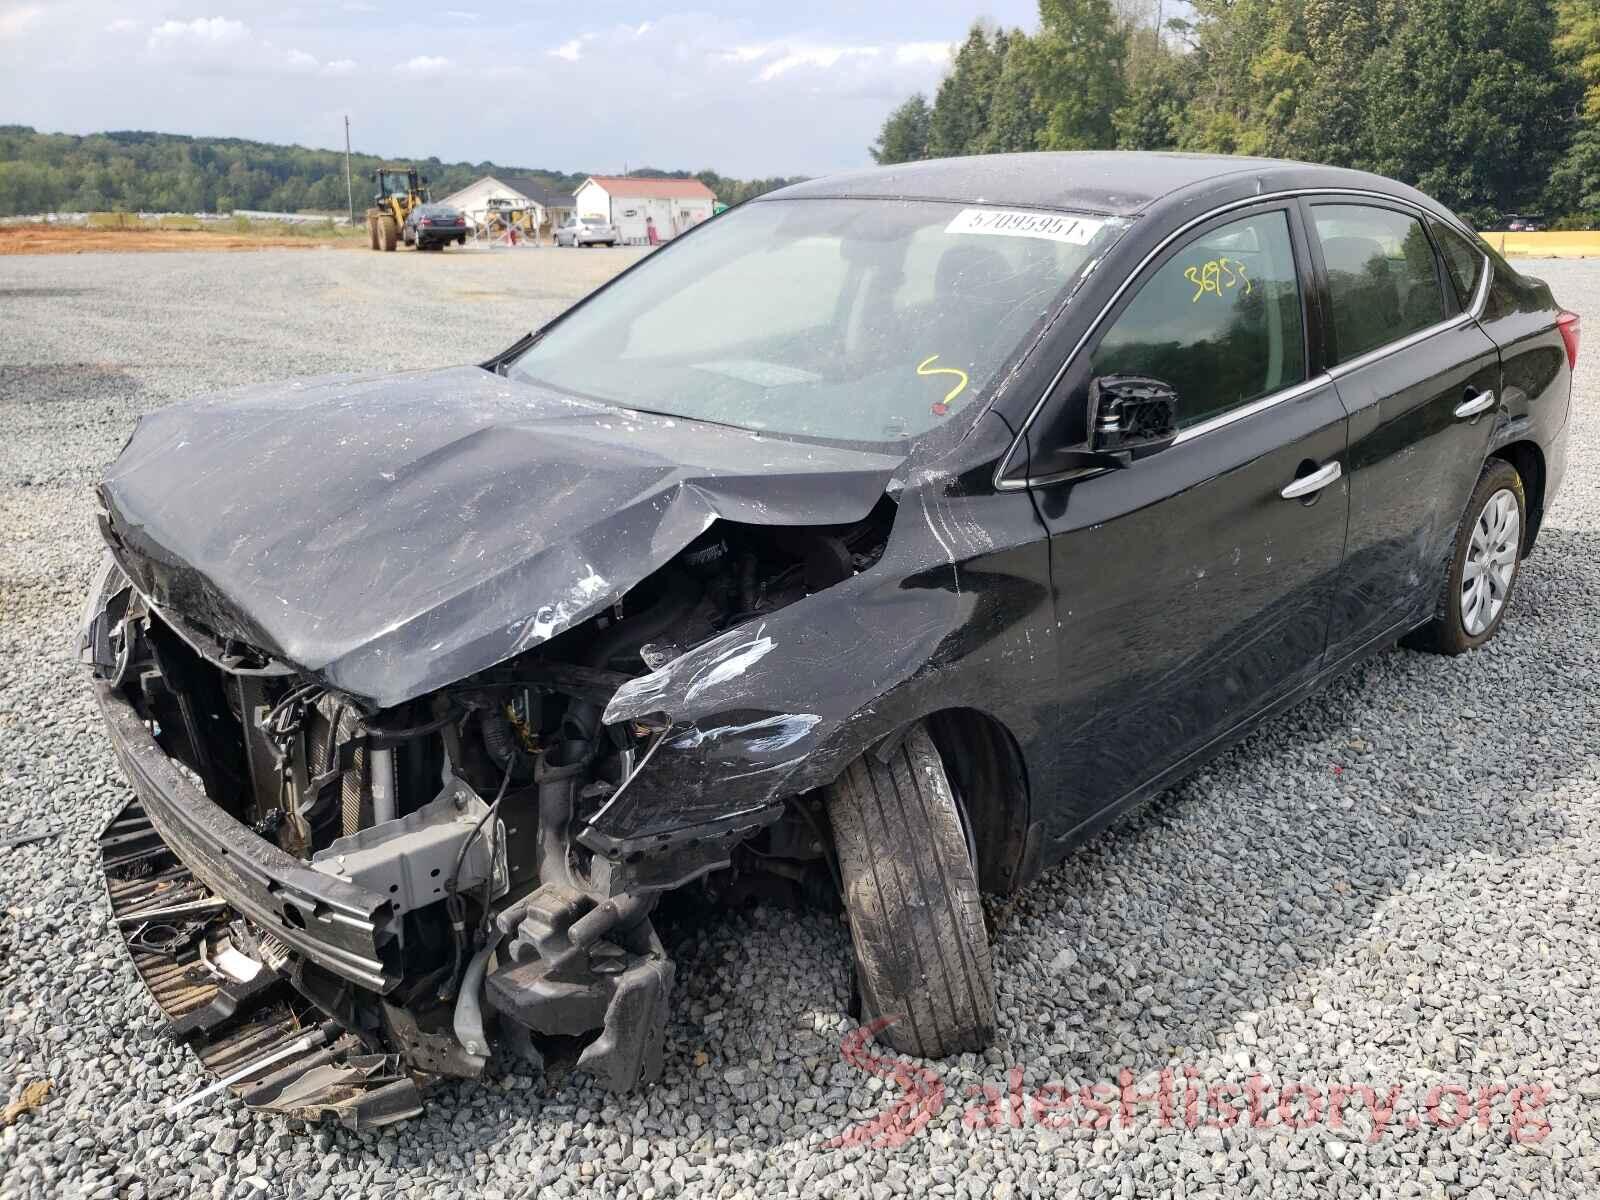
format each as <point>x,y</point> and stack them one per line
<point>882,539</point>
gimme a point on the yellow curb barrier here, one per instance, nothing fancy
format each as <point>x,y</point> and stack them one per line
<point>1554,244</point>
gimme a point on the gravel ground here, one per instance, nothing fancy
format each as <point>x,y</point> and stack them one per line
<point>1391,886</point>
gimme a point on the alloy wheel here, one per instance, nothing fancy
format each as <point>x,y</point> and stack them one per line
<point>1491,562</point>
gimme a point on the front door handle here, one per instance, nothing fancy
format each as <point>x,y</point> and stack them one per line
<point>1475,404</point>
<point>1320,478</point>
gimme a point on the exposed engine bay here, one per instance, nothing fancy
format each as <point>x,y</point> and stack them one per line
<point>470,863</point>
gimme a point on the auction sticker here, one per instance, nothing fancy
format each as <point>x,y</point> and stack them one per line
<point>1005,222</point>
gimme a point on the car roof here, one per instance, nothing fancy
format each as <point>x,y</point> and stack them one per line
<point>1117,183</point>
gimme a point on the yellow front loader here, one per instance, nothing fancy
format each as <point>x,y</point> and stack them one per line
<point>398,192</point>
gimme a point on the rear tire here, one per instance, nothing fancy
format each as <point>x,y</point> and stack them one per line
<point>1484,564</point>
<point>911,891</point>
<point>372,232</point>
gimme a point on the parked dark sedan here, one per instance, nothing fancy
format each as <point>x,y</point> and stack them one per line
<point>882,538</point>
<point>433,227</point>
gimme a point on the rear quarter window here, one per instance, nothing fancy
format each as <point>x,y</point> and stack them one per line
<point>1463,262</point>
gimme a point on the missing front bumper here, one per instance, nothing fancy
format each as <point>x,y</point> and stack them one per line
<point>328,1027</point>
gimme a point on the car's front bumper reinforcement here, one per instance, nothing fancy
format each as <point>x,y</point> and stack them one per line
<point>335,924</point>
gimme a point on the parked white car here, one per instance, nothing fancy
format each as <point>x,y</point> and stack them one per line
<point>587,231</point>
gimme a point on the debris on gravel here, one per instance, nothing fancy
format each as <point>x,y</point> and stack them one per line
<point>1369,932</point>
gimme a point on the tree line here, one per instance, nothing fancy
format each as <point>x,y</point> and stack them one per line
<point>1492,106</point>
<point>133,171</point>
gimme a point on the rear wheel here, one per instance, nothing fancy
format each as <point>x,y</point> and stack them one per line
<point>911,891</point>
<point>372,232</point>
<point>1483,565</point>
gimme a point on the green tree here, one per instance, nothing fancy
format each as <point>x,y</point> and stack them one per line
<point>1250,72</point>
<point>1078,73</point>
<point>1014,119</point>
<point>1575,182</point>
<point>1152,116</point>
<point>1464,100</point>
<point>132,169</point>
<point>904,136</point>
<point>1341,37</point>
<point>960,117</point>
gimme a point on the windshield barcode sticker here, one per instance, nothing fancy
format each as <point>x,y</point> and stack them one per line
<point>1053,227</point>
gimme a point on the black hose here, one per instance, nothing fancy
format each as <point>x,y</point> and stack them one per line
<point>503,745</point>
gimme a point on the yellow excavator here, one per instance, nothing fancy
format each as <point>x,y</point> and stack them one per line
<point>398,191</point>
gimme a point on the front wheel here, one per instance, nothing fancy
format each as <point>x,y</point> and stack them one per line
<point>1483,566</point>
<point>911,891</point>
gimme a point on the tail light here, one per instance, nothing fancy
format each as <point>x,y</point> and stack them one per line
<point>1567,323</point>
<point>425,221</point>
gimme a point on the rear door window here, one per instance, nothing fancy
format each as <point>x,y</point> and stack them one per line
<point>1383,278</point>
<point>1463,262</point>
<point>1220,321</point>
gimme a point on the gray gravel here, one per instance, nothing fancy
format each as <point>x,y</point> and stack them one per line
<point>1392,885</point>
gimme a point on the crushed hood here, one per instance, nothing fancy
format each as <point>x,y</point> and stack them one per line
<point>393,534</point>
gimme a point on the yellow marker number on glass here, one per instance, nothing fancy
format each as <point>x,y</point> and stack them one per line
<point>926,367</point>
<point>1216,277</point>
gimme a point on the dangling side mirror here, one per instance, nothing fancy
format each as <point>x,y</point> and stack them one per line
<point>1131,415</point>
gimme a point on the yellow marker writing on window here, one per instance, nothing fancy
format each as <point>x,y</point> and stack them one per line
<point>1217,276</point>
<point>926,367</point>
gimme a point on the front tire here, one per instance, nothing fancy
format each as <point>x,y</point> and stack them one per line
<point>1484,564</point>
<point>388,232</point>
<point>911,891</point>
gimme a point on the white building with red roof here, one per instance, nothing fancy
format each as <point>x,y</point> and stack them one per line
<point>636,206</point>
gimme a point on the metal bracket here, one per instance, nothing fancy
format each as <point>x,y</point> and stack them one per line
<point>410,859</point>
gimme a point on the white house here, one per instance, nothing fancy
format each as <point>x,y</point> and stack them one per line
<point>473,200</point>
<point>634,206</point>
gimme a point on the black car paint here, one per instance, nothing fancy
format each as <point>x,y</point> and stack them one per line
<point>437,523</point>
<point>1065,606</point>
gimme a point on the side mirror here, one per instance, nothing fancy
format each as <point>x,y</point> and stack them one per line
<point>1131,415</point>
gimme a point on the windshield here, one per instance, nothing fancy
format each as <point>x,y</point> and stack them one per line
<point>594,220</point>
<point>855,320</point>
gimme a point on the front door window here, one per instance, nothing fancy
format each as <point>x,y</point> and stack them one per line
<point>1220,321</point>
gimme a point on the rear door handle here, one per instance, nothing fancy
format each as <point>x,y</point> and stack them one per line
<point>1473,405</point>
<point>1314,482</point>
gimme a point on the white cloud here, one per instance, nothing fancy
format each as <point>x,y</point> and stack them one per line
<point>200,32</point>
<point>915,53</point>
<point>425,64</point>
<point>122,25</point>
<point>339,66</point>
<point>571,51</point>
<point>17,21</point>
<point>643,28</point>
<point>299,60</point>
<point>822,57</point>
<point>461,14</point>
<point>745,54</point>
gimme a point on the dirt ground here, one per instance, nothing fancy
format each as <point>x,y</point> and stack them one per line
<point>74,239</point>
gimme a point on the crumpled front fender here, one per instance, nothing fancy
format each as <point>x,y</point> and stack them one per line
<point>781,705</point>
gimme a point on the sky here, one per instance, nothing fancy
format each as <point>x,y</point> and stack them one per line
<point>744,87</point>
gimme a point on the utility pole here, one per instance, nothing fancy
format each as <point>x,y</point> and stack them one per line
<point>349,188</point>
